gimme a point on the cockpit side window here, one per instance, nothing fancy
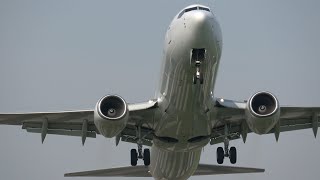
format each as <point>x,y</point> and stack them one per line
<point>181,14</point>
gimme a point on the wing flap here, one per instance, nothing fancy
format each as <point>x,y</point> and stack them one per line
<point>63,132</point>
<point>72,126</point>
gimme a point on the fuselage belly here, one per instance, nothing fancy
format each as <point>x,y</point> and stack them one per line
<point>192,51</point>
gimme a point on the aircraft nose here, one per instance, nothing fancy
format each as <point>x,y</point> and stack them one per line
<point>201,19</point>
<point>199,25</point>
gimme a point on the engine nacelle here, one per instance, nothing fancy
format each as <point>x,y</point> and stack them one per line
<point>262,112</point>
<point>111,115</point>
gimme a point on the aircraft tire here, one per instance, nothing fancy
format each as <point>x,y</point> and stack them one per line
<point>233,155</point>
<point>134,157</point>
<point>201,79</point>
<point>194,79</point>
<point>146,157</point>
<point>220,155</point>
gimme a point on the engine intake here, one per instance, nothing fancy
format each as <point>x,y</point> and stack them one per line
<point>111,115</point>
<point>112,107</point>
<point>263,104</point>
<point>262,112</point>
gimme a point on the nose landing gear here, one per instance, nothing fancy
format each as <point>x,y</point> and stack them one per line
<point>197,76</point>
<point>197,58</point>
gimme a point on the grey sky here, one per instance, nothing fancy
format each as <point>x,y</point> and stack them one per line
<point>65,55</point>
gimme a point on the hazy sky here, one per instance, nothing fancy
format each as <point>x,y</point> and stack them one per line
<point>65,55</point>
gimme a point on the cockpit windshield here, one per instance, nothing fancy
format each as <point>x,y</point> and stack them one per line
<point>193,9</point>
<point>204,8</point>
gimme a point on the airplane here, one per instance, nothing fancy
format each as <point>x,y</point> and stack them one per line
<point>183,117</point>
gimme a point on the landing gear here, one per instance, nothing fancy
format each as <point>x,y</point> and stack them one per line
<point>222,153</point>
<point>196,77</point>
<point>197,58</point>
<point>201,78</point>
<point>233,155</point>
<point>146,157</point>
<point>135,155</point>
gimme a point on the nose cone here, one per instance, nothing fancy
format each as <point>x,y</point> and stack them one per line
<point>201,20</point>
<point>199,25</point>
<point>200,17</point>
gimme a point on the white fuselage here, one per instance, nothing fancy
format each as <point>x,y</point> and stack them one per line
<point>184,125</point>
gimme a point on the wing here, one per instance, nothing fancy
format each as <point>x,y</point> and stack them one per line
<point>142,171</point>
<point>131,171</point>
<point>80,123</point>
<point>233,113</point>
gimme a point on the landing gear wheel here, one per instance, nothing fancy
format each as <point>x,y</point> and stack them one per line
<point>233,155</point>
<point>134,157</point>
<point>220,155</point>
<point>146,157</point>
<point>201,79</point>
<point>194,79</point>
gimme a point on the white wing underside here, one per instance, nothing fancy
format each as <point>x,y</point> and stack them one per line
<point>80,123</point>
<point>232,113</point>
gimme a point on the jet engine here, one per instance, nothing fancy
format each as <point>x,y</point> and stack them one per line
<point>262,112</point>
<point>111,115</point>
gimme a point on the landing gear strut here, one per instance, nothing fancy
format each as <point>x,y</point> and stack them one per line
<point>135,155</point>
<point>197,76</point>
<point>197,57</point>
<point>226,152</point>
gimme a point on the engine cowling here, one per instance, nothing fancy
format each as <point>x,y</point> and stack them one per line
<point>111,115</point>
<point>262,112</point>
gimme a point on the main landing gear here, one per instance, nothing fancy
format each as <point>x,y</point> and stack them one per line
<point>226,152</point>
<point>135,155</point>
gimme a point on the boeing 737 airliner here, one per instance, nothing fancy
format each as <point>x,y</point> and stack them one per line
<point>183,117</point>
